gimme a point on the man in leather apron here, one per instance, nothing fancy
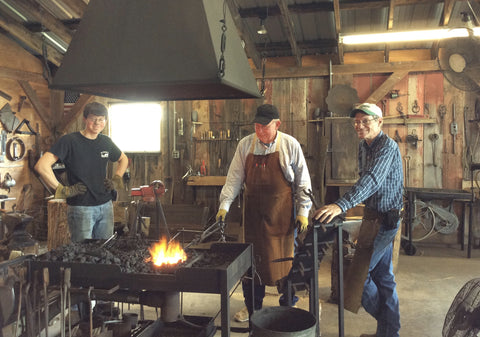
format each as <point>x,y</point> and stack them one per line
<point>369,280</point>
<point>271,168</point>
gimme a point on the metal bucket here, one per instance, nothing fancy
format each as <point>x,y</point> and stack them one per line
<point>283,322</point>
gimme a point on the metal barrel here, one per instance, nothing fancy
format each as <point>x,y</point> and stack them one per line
<point>283,322</point>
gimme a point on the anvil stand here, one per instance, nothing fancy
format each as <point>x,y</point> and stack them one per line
<point>313,282</point>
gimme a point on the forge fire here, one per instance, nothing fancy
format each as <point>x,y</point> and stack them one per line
<point>165,253</point>
<point>132,255</point>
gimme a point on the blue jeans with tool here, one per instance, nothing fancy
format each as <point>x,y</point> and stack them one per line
<point>379,296</point>
<point>90,222</point>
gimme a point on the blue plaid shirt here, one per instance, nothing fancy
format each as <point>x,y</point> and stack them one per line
<point>380,185</point>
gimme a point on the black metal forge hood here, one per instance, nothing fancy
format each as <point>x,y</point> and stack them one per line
<point>148,50</point>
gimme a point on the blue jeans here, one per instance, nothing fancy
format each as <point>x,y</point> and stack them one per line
<point>379,296</point>
<point>90,222</point>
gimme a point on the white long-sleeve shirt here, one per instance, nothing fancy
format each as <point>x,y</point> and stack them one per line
<point>292,162</point>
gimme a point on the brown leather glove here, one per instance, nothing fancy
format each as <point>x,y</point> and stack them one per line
<point>63,192</point>
<point>115,183</point>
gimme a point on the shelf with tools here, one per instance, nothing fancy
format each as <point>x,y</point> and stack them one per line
<point>389,120</point>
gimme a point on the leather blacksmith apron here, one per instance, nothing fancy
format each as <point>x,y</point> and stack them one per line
<point>268,217</point>
<point>358,269</point>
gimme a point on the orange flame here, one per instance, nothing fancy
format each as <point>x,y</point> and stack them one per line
<point>162,253</point>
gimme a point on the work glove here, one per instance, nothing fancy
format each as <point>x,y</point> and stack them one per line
<point>115,183</point>
<point>221,215</point>
<point>302,223</point>
<point>64,192</point>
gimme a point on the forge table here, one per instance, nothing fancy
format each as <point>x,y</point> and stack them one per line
<point>437,194</point>
<point>218,279</point>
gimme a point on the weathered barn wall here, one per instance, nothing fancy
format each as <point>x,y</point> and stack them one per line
<point>21,70</point>
<point>210,139</point>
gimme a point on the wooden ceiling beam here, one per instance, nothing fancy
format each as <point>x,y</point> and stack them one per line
<point>290,31</point>
<point>37,105</point>
<point>74,112</point>
<point>46,19</point>
<point>31,40</point>
<point>315,7</point>
<point>21,75</point>
<point>338,29</point>
<point>250,48</point>
<point>366,68</point>
<point>391,12</point>
<point>447,11</point>
<point>386,86</point>
<point>75,7</point>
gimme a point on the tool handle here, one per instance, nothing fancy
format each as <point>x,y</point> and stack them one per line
<point>46,276</point>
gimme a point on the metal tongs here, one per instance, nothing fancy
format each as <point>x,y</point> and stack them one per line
<point>106,245</point>
<point>217,226</point>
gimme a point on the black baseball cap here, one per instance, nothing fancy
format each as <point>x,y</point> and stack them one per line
<point>265,114</point>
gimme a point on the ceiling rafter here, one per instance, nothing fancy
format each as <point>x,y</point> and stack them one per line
<point>447,12</point>
<point>33,41</point>
<point>315,7</point>
<point>391,12</point>
<point>75,7</point>
<point>46,19</point>
<point>290,31</point>
<point>250,48</point>
<point>338,29</point>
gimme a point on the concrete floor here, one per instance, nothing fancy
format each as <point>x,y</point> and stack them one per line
<point>427,284</point>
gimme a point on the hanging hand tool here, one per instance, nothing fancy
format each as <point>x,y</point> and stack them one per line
<point>415,107</point>
<point>3,145</point>
<point>46,281</point>
<point>413,139</point>
<point>397,137</point>
<point>407,169</point>
<point>20,103</point>
<point>68,298</point>
<point>453,128</point>
<point>21,275</point>
<point>442,110</point>
<point>5,95</point>
<point>434,137</point>
<point>468,150</point>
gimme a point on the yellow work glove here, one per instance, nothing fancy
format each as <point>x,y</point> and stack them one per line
<point>115,183</point>
<point>64,192</point>
<point>302,223</point>
<point>221,215</point>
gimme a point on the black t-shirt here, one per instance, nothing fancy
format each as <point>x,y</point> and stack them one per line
<point>86,161</point>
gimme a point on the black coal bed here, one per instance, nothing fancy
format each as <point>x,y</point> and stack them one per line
<point>215,270</point>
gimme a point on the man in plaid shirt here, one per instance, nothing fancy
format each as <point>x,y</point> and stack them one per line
<point>370,281</point>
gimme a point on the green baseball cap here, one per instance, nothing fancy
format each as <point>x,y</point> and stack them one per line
<point>367,108</point>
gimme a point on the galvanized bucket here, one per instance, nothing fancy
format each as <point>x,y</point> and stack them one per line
<point>283,322</point>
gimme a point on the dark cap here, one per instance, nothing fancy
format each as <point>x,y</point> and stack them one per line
<point>265,114</point>
<point>96,109</point>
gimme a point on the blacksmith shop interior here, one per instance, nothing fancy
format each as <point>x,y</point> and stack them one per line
<point>163,163</point>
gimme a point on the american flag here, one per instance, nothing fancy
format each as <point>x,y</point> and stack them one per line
<point>71,97</point>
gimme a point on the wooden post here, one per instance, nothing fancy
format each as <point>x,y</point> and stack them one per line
<point>58,232</point>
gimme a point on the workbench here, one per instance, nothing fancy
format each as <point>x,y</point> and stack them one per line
<point>462,196</point>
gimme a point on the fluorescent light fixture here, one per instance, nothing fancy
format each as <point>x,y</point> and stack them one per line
<point>408,36</point>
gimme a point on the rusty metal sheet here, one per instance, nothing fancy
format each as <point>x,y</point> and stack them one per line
<point>341,99</point>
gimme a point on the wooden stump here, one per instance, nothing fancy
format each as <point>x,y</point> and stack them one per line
<point>58,232</point>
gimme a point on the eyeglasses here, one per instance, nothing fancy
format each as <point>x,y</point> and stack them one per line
<point>98,120</point>
<point>363,122</point>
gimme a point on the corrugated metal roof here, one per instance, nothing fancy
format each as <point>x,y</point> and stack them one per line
<point>307,27</point>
